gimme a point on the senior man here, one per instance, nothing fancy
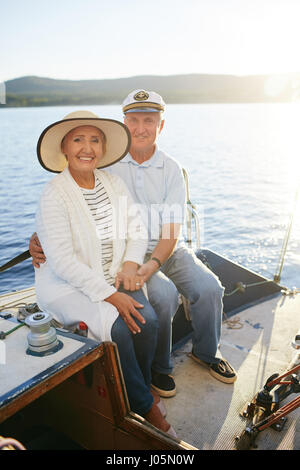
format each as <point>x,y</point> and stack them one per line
<point>156,183</point>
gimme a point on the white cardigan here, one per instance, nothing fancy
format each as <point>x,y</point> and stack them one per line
<point>68,236</point>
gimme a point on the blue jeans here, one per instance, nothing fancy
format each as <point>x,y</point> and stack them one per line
<point>136,354</point>
<point>183,272</point>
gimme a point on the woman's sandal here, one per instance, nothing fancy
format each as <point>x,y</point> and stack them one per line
<point>159,402</point>
<point>155,417</point>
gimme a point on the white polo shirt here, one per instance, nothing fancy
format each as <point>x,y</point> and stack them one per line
<point>157,186</point>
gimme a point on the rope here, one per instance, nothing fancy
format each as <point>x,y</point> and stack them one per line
<point>10,294</point>
<point>234,324</point>
<point>3,334</point>
<point>242,287</point>
<point>18,304</point>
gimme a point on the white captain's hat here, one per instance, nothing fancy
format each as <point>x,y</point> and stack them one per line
<point>143,101</point>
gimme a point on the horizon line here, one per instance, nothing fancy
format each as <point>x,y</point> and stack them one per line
<point>154,75</point>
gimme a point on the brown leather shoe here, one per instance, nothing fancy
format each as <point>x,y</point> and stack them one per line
<point>155,418</point>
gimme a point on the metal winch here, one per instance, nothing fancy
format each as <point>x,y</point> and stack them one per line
<point>296,341</point>
<point>42,338</point>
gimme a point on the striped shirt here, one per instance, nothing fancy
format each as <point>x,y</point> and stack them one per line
<point>101,209</point>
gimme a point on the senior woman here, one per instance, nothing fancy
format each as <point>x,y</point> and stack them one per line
<point>94,242</point>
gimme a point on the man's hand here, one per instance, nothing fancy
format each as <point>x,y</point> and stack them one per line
<point>163,250</point>
<point>126,307</point>
<point>36,251</point>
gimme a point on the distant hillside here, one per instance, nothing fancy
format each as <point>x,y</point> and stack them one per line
<point>193,88</point>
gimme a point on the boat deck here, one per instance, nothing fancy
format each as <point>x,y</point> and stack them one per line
<point>205,412</point>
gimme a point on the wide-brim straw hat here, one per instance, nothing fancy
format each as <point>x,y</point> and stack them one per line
<point>49,144</point>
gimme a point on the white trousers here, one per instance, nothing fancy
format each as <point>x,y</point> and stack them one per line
<point>75,307</point>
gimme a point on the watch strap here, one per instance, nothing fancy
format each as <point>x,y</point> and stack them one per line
<point>157,260</point>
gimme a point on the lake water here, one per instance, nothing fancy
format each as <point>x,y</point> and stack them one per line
<point>244,171</point>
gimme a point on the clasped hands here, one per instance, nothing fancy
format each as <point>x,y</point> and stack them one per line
<point>133,278</point>
<point>129,280</point>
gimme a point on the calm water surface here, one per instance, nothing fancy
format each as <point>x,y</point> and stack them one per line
<point>243,163</point>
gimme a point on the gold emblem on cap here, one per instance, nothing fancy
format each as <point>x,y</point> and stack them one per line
<point>141,96</point>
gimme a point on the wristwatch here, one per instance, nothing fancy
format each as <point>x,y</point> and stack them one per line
<point>157,260</point>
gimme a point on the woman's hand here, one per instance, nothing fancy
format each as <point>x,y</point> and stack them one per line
<point>129,278</point>
<point>130,282</point>
<point>126,307</point>
<point>36,251</point>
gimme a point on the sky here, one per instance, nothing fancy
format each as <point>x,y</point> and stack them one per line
<point>100,39</point>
